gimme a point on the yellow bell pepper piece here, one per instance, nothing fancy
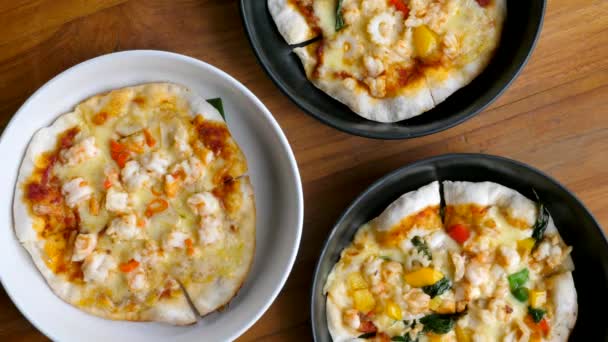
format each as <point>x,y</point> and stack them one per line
<point>537,298</point>
<point>535,338</point>
<point>423,277</point>
<point>435,338</point>
<point>393,310</point>
<point>525,246</point>
<point>425,41</point>
<point>435,303</point>
<point>364,300</point>
<point>356,281</point>
<point>463,334</point>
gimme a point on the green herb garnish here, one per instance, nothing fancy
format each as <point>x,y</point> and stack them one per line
<point>438,288</point>
<point>538,230</point>
<point>339,18</point>
<point>384,257</point>
<point>516,283</point>
<point>405,338</point>
<point>367,335</point>
<point>440,324</point>
<point>521,294</point>
<point>536,314</point>
<point>422,247</point>
<point>219,105</point>
<point>518,279</point>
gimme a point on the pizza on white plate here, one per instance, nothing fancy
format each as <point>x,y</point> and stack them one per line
<point>489,265</point>
<point>390,60</point>
<point>136,201</point>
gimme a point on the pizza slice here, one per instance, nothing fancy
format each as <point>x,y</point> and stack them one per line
<point>377,288</point>
<point>512,254</point>
<point>213,271</point>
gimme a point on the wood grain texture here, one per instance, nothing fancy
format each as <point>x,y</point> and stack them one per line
<point>553,117</point>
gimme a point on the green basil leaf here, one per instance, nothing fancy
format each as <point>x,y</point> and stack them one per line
<point>536,314</point>
<point>422,247</point>
<point>219,105</point>
<point>398,338</point>
<point>339,18</point>
<point>438,288</point>
<point>539,227</point>
<point>440,324</point>
<point>367,335</point>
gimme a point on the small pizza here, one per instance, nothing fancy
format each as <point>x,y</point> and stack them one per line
<point>390,60</point>
<point>136,201</point>
<point>489,265</point>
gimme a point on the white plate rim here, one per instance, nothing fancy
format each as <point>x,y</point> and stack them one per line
<point>241,88</point>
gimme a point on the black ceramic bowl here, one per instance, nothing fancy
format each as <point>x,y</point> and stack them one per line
<point>521,30</point>
<point>576,225</point>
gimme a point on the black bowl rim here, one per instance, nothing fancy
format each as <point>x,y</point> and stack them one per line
<point>326,118</point>
<point>464,156</point>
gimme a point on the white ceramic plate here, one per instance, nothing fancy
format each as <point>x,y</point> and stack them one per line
<point>273,171</point>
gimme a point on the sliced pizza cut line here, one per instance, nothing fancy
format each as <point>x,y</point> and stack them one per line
<point>111,197</point>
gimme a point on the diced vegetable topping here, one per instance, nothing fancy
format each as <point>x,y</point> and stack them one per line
<point>440,324</point>
<point>520,293</point>
<point>516,283</point>
<point>536,314</point>
<point>425,41</point>
<point>129,266</point>
<point>518,279</point>
<point>356,281</point>
<point>423,277</point>
<point>538,298</point>
<point>525,246</point>
<point>150,141</point>
<point>119,153</point>
<point>463,334</point>
<point>483,3</point>
<point>459,232</point>
<point>401,7</point>
<point>156,206</point>
<point>542,327</point>
<point>364,300</point>
<point>438,288</point>
<point>393,310</point>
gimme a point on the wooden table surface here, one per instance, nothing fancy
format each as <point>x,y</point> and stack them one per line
<point>554,117</point>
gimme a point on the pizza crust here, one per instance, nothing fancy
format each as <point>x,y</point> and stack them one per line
<point>411,101</point>
<point>564,298</point>
<point>408,204</point>
<point>292,25</point>
<point>44,140</point>
<point>490,194</point>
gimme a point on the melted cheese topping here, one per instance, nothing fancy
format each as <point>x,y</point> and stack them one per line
<point>378,285</point>
<point>384,48</point>
<point>112,199</point>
